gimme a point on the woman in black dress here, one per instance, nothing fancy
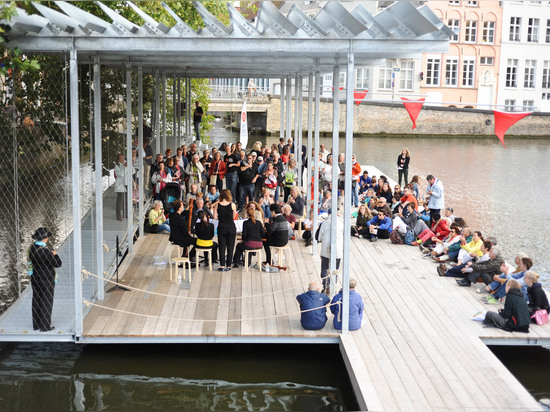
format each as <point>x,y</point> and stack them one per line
<point>224,211</point>
<point>403,165</point>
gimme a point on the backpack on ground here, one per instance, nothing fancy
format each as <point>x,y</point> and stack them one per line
<point>396,238</point>
<point>409,237</point>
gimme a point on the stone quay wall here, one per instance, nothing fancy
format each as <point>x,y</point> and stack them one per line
<point>393,119</point>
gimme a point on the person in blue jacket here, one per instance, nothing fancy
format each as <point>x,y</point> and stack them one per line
<point>313,299</point>
<point>356,308</point>
<point>379,226</point>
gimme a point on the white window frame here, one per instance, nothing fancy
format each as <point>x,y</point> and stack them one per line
<point>470,34</point>
<point>362,78</point>
<point>451,71</point>
<point>454,25</point>
<point>454,2</point>
<point>533,30</point>
<point>547,40</point>
<point>528,105</point>
<point>406,75</point>
<point>468,71</point>
<point>385,76</point>
<point>529,73</point>
<point>515,29</point>
<point>488,32</point>
<point>510,105</point>
<point>472,3</point>
<point>511,80</point>
<point>433,71</point>
<point>546,74</point>
<point>487,61</point>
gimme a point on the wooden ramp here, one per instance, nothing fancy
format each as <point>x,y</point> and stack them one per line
<point>419,349</point>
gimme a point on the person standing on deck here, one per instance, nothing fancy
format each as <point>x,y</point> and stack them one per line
<point>436,193</point>
<point>327,243</point>
<point>403,165</point>
<point>197,119</point>
<point>120,187</point>
<point>43,279</point>
<point>313,306</point>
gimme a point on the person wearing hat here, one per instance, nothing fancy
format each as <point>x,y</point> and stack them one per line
<point>43,279</point>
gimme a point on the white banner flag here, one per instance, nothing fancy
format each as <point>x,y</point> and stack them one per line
<point>244,127</point>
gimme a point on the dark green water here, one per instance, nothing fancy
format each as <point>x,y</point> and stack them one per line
<point>69,377</point>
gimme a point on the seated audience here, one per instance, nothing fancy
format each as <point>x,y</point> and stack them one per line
<point>313,307</point>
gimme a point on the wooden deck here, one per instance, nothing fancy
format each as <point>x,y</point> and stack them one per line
<point>418,350</point>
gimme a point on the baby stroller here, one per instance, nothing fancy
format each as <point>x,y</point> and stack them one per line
<point>171,192</point>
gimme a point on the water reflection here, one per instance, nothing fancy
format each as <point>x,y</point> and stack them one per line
<point>171,377</point>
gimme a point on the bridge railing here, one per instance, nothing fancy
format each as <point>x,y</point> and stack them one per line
<point>229,92</point>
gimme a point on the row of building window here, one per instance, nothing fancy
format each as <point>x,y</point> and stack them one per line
<point>433,70</point>
<point>470,34</point>
<point>533,30</point>
<point>386,76</point>
<point>529,74</point>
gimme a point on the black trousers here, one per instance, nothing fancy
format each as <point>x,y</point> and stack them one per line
<point>270,242</point>
<point>198,249</point>
<point>226,241</point>
<point>325,263</point>
<point>403,173</point>
<point>42,302</point>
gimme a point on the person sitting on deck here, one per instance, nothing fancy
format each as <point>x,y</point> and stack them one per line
<point>296,202</point>
<point>291,219</point>
<point>179,230</point>
<point>313,307</point>
<point>205,233</point>
<point>157,220</point>
<point>448,213</point>
<point>252,236</point>
<point>383,205</point>
<point>277,231</point>
<point>457,271</point>
<point>499,283</point>
<point>356,308</point>
<point>469,250</point>
<point>380,226</point>
<point>515,315</point>
<point>537,296</point>
<point>360,228</point>
<point>439,230</point>
<point>485,269</point>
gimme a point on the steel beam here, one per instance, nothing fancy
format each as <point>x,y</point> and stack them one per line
<point>75,185</point>
<point>309,144</point>
<point>129,166</point>
<point>335,168</point>
<point>98,165</point>
<point>163,112</point>
<point>316,159</point>
<point>288,107</point>
<point>299,130</point>
<point>282,110</point>
<point>347,192</point>
<point>140,152</point>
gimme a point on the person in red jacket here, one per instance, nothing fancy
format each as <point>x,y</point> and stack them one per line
<point>355,172</point>
<point>217,169</point>
<point>440,229</point>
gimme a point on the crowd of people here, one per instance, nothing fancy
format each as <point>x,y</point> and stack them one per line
<point>261,187</point>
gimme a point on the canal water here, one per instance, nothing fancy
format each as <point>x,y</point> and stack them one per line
<point>502,192</point>
<point>69,377</point>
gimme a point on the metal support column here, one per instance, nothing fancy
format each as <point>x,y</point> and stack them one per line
<point>129,166</point>
<point>190,105</point>
<point>309,158</point>
<point>335,168</point>
<point>163,112</point>
<point>75,185</point>
<point>316,158</point>
<point>154,121</point>
<point>98,162</point>
<point>298,132</point>
<point>140,151</point>
<point>178,129</point>
<point>288,96</point>
<point>175,110</point>
<point>296,117</point>
<point>347,193</point>
<point>282,111</point>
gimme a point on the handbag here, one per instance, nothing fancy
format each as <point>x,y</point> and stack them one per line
<point>395,238</point>
<point>540,316</point>
<point>409,237</point>
<point>214,177</point>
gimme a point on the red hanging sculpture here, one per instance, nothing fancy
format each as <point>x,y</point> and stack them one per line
<point>503,120</point>
<point>413,108</point>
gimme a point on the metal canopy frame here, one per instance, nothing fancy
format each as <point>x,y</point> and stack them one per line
<point>277,46</point>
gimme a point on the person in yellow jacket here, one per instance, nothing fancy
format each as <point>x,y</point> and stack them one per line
<point>468,251</point>
<point>157,220</point>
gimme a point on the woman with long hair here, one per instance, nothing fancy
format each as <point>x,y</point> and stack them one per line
<point>253,233</point>
<point>224,211</point>
<point>403,165</point>
<point>360,228</point>
<point>217,169</point>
